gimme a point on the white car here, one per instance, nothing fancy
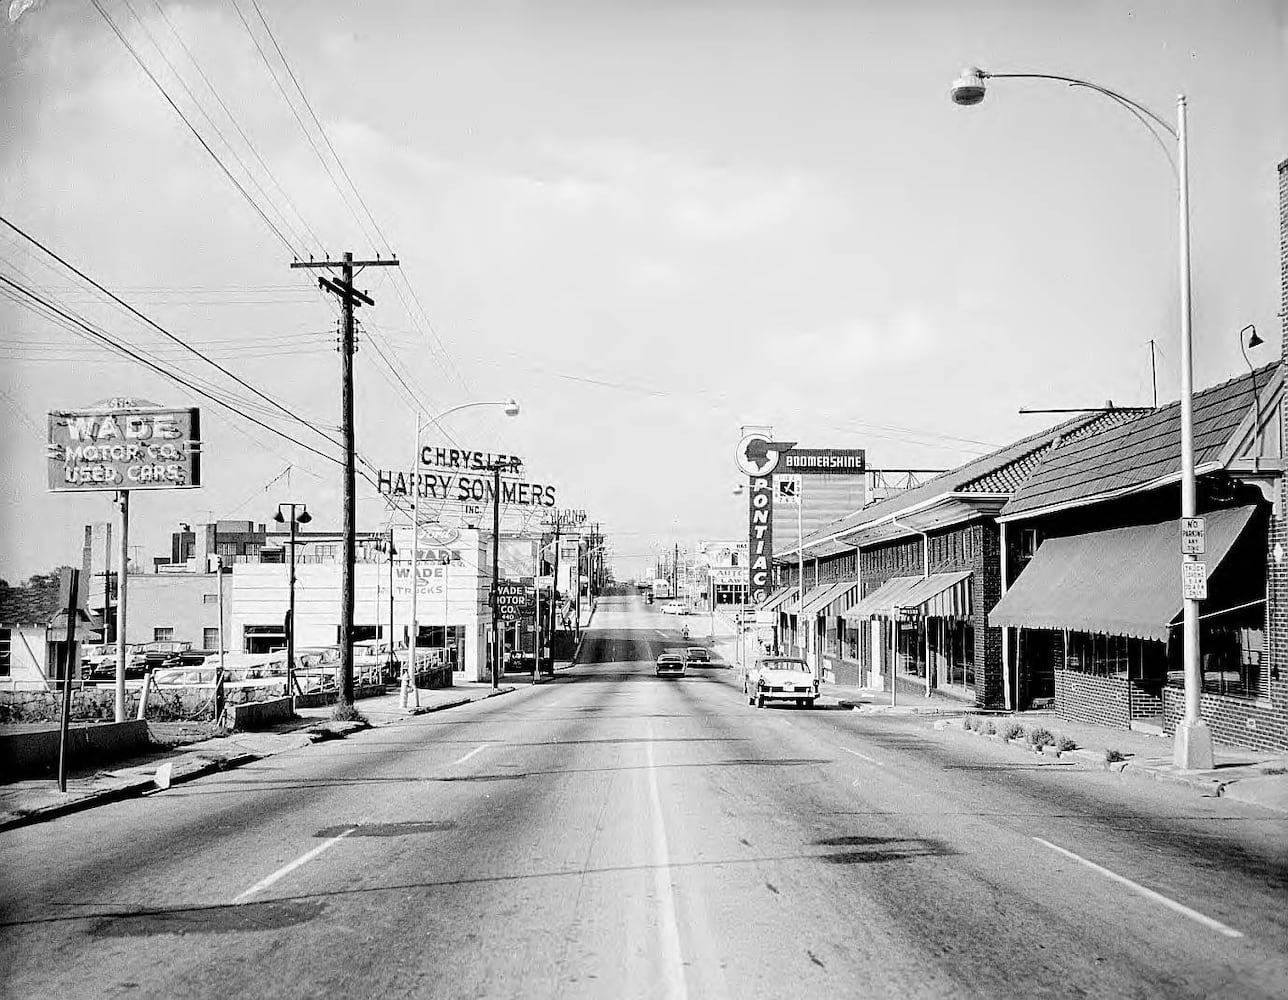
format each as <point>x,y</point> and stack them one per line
<point>674,608</point>
<point>780,678</point>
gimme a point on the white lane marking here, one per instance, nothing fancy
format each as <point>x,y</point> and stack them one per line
<point>1141,890</point>
<point>668,926</point>
<point>470,754</point>
<point>863,756</point>
<point>264,883</point>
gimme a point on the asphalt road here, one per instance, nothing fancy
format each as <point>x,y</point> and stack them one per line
<point>611,834</point>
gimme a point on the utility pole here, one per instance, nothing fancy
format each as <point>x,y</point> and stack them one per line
<point>349,298</point>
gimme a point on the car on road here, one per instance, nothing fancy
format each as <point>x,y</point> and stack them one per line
<point>670,665</point>
<point>780,678</point>
<point>697,654</point>
<point>673,608</point>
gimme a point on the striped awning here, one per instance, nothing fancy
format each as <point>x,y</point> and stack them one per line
<point>939,595</point>
<point>776,599</point>
<point>797,606</point>
<point>820,600</point>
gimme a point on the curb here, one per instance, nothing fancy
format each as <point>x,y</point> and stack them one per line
<point>1094,760</point>
<point>196,766</point>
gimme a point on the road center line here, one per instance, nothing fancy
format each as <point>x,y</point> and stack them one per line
<point>470,754</point>
<point>1141,890</point>
<point>863,756</point>
<point>668,926</point>
<point>264,883</point>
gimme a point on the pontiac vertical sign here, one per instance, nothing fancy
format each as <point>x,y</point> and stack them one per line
<point>757,456</point>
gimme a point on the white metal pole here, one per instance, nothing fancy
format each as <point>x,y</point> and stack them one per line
<point>536,655</point>
<point>800,574</point>
<point>122,591</point>
<point>219,681</point>
<point>1193,747</point>
<point>409,674</point>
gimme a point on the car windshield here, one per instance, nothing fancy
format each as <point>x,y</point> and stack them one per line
<point>784,665</point>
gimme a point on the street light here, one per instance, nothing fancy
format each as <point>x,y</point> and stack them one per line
<point>302,518</point>
<point>511,409</point>
<point>1193,746</point>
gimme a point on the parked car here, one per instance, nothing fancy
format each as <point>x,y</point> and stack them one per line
<point>697,654</point>
<point>780,678</point>
<point>673,608</point>
<point>670,665</point>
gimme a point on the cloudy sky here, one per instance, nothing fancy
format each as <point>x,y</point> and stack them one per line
<point>649,221</point>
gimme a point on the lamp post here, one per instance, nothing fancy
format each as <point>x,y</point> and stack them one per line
<point>303,517</point>
<point>409,676</point>
<point>386,544</point>
<point>1193,744</point>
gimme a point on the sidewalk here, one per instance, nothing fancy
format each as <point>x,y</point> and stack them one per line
<point>1253,776</point>
<point>37,799</point>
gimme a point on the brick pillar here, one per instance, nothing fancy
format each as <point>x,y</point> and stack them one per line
<point>1277,568</point>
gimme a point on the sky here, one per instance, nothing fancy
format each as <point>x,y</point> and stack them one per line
<point>650,222</point>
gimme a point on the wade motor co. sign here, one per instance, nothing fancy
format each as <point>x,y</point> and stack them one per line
<point>124,445</point>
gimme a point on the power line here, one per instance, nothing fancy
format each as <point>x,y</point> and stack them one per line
<point>72,318</point>
<point>299,121</point>
<point>237,125</point>
<point>204,145</point>
<point>162,330</point>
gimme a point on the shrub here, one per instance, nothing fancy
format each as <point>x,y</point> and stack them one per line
<point>1064,743</point>
<point>989,727</point>
<point>1012,731</point>
<point>347,713</point>
<point>1113,756</point>
<point>1041,738</point>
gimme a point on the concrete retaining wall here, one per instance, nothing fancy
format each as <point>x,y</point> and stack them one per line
<point>259,714</point>
<point>33,753</point>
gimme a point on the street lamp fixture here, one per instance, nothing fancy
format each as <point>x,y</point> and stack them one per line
<point>1193,743</point>
<point>302,517</point>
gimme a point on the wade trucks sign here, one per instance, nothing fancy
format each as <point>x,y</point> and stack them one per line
<point>124,445</point>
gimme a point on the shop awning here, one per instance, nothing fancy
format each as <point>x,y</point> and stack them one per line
<point>774,600</point>
<point>794,606</point>
<point>1125,581</point>
<point>818,600</point>
<point>944,595</point>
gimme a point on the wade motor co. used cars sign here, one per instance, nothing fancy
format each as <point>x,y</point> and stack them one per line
<point>124,445</point>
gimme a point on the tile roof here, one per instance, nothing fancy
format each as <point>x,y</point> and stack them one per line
<point>1001,471</point>
<point>28,605</point>
<point>1140,451</point>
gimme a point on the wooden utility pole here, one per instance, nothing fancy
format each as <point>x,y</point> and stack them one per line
<point>349,298</point>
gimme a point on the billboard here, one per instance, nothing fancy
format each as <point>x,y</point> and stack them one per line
<point>124,446</point>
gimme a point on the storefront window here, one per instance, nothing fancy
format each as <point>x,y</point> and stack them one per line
<point>1232,661</point>
<point>1116,656</point>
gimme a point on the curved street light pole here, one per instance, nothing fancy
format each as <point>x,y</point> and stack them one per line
<point>409,690</point>
<point>1193,741</point>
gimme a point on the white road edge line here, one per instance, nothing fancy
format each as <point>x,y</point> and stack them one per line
<point>668,925</point>
<point>1141,890</point>
<point>470,754</point>
<point>863,756</point>
<point>282,872</point>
